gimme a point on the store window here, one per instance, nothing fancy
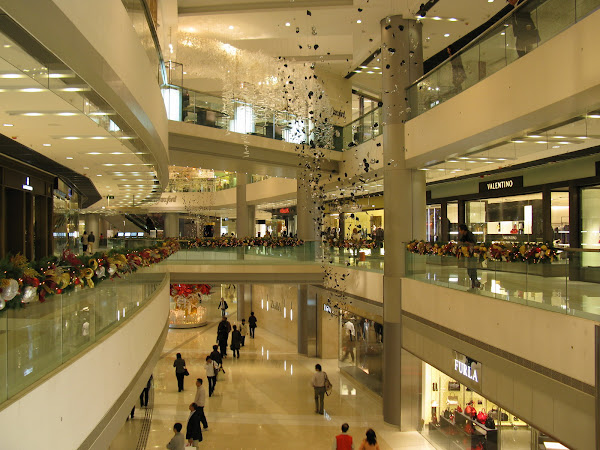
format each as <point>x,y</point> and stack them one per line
<point>517,218</point>
<point>448,422</point>
<point>452,217</point>
<point>590,224</point>
<point>560,218</point>
<point>361,350</point>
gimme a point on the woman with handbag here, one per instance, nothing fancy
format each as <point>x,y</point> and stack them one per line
<point>180,371</point>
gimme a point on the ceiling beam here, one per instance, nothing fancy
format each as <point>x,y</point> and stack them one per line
<point>234,8</point>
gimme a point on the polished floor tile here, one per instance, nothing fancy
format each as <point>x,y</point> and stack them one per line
<point>264,401</point>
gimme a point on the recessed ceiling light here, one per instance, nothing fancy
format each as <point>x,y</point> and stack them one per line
<point>47,145</point>
<point>582,137</point>
<point>12,75</point>
<point>359,21</point>
<point>98,175</point>
<point>541,142</point>
<point>99,137</point>
<point>535,136</point>
<point>556,146</point>
<point>6,45</point>
<point>66,114</point>
<point>8,125</point>
<point>518,141</point>
<point>564,142</point>
<point>32,90</point>
<point>437,18</point>
<point>452,19</point>
<point>231,27</point>
<point>357,71</point>
<point>447,35</point>
<point>594,116</point>
<point>558,137</point>
<point>33,114</point>
<point>94,153</point>
<point>370,71</point>
<point>86,168</point>
<point>69,157</point>
<point>287,24</point>
<point>73,89</point>
<point>71,138</point>
<point>117,153</point>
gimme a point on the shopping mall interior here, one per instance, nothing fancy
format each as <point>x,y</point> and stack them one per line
<point>377,213</point>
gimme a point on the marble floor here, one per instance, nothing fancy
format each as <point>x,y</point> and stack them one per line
<point>264,401</point>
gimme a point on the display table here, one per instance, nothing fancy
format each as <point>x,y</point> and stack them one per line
<point>452,435</point>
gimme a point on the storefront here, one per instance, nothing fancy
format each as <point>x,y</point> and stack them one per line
<point>456,416</point>
<point>550,201</point>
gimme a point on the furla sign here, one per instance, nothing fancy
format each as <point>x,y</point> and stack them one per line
<point>467,368</point>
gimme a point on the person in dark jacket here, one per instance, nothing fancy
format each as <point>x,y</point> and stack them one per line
<point>180,369</point>
<point>146,393</point>
<point>252,324</point>
<point>236,341</point>
<point>216,357</point>
<point>193,431</point>
<point>524,29</point>
<point>467,238</point>
<point>223,335</point>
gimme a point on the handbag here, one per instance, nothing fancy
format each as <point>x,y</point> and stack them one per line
<point>489,423</point>
<point>470,411</point>
<point>185,372</point>
<point>453,386</point>
<point>482,416</point>
<point>328,385</point>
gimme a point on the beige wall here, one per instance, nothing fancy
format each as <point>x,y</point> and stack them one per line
<point>282,295</point>
<point>327,333</point>
<point>535,91</point>
<point>339,94</point>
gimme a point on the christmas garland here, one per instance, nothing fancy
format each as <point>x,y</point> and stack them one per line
<point>351,244</point>
<point>23,282</point>
<point>229,242</point>
<point>529,252</point>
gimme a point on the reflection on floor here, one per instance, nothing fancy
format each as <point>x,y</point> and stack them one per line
<point>264,401</point>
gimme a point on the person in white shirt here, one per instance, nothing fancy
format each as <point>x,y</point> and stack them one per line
<point>200,400</point>
<point>350,331</point>
<point>244,331</point>
<point>211,374</point>
<point>318,383</point>
<point>177,442</point>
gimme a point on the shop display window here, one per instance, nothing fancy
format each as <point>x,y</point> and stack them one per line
<point>361,349</point>
<point>560,218</point>
<point>452,217</point>
<point>434,223</point>
<point>514,219</point>
<point>590,224</point>
<point>456,417</point>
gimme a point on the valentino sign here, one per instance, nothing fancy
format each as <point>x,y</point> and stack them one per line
<point>506,184</point>
<point>467,367</point>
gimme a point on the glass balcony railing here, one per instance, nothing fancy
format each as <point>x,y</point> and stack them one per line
<point>38,339</point>
<point>190,106</point>
<point>363,129</point>
<point>520,32</point>
<point>568,285</point>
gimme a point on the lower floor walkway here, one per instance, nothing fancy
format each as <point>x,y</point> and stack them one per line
<point>263,401</point>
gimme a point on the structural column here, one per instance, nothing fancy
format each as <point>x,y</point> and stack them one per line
<point>404,198</point>
<point>310,219</point>
<point>246,214</point>
<point>244,301</point>
<point>302,318</point>
<point>171,225</point>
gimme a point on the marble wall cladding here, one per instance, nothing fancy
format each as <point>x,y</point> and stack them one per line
<point>275,307</point>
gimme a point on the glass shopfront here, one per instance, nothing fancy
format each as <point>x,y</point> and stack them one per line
<point>456,417</point>
<point>361,349</point>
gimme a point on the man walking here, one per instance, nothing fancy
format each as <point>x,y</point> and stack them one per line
<point>193,432</point>
<point>343,441</point>
<point>146,393</point>
<point>223,335</point>
<point>216,357</point>
<point>318,383</point>
<point>244,331</point>
<point>211,374</point>
<point>91,240</point>
<point>223,306</point>
<point>200,401</point>
<point>252,324</point>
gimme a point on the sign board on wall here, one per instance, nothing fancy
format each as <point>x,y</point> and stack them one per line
<point>466,368</point>
<point>504,185</point>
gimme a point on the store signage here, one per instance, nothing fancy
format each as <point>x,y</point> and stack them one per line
<point>506,184</point>
<point>467,367</point>
<point>284,210</point>
<point>168,199</point>
<point>338,113</point>
<point>276,305</point>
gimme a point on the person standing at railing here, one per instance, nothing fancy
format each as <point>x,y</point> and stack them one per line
<point>524,29</point>
<point>356,240</point>
<point>467,238</point>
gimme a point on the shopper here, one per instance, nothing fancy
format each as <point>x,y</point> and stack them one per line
<point>318,383</point>
<point>236,341</point>
<point>370,442</point>
<point>84,242</point>
<point>468,239</point>
<point>200,401</point>
<point>91,240</point>
<point>180,370</point>
<point>356,242</point>
<point>177,442</point>
<point>146,393</point>
<point>524,29</point>
<point>216,357</point>
<point>211,374</point>
<point>252,324</point>
<point>243,331</point>
<point>223,306</point>
<point>223,335</point>
<point>343,441</point>
<point>193,433</point>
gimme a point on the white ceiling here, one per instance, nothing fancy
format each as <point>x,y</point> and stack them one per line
<point>52,122</point>
<point>343,43</point>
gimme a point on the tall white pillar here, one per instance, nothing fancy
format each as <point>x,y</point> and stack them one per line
<point>171,225</point>
<point>404,198</point>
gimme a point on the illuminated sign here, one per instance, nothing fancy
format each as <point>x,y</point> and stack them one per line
<point>27,186</point>
<point>284,210</point>
<point>467,367</point>
<point>506,184</point>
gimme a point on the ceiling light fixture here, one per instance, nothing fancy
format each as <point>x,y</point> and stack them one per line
<point>47,145</point>
<point>32,90</point>
<point>66,114</point>
<point>287,24</point>
<point>8,125</point>
<point>452,19</point>
<point>594,116</point>
<point>71,138</point>
<point>12,75</point>
<point>518,141</point>
<point>231,27</point>
<point>33,114</point>
<point>447,35</point>
<point>359,21</point>
<point>69,157</point>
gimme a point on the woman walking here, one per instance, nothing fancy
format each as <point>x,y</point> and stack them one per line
<point>180,371</point>
<point>236,341</point>
<point>370,442</point>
